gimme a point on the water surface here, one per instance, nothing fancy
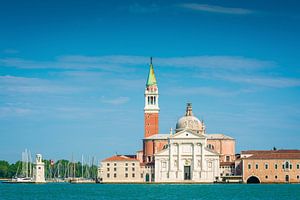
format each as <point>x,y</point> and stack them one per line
<point>149,191</point>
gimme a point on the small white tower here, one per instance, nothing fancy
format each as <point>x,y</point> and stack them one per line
<point>39,170</point>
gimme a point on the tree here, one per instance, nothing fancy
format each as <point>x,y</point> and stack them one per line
<point>4,168</point>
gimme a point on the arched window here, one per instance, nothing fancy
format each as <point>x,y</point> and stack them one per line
<point>148,100</point>
<point>266,166</point>
<point>287,165</point>
<point>287,178</point>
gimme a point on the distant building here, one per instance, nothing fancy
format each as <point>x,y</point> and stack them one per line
<point>274,166</point>
<point>189,154</point>
<point>121,168</point>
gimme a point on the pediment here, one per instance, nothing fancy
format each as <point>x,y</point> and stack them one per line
<point>187,134</point>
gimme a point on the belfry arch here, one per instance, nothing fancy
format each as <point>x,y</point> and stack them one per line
<point>253,179</point>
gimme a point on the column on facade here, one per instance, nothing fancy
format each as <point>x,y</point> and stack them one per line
<point>179,164</point>
<point>170,157</point>
<point>202,157</point>
<point>194,156</point>
<point>194,160</point>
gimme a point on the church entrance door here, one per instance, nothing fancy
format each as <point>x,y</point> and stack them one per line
<point>147,178</point>
<point>187,172</point>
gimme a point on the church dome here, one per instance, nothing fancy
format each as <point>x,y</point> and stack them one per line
<point>188,121</point>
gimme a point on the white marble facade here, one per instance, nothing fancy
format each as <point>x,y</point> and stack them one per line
<point>186,158</point>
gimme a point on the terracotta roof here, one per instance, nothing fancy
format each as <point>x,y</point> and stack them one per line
<point>119,158</point>
<point>271,151</point>
<point>273,154</point>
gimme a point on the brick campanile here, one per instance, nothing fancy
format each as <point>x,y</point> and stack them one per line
<point>151,110</point>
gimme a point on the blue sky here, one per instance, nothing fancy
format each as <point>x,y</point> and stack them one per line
<point>72,73</point>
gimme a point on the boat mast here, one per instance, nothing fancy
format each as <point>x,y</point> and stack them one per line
<point>26,163</point>
<point>30,164</point>
<point>82,166</point>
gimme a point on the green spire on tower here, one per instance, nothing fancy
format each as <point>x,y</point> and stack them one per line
<point>151,76</point>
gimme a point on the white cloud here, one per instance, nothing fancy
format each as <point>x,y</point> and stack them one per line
<point>14,111</point>
<point>216,9</point>
<point>123,63</point>
<point>14,84</point>
<point>216,62</point>
<point>67,62</point>
<point>116,101</point>
<point>273,82</point>
<point>229,68</point>
<point>210,91</point>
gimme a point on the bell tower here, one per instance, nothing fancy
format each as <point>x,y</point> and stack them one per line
<point>151,110</point>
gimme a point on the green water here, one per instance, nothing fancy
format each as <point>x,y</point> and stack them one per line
<point>151,191</point>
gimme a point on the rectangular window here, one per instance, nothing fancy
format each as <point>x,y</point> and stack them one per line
<point>126,164</point>
<point>126,175</point>
<point>126,168</point>
<point>115,169</point>
<point>115,164</point>
<point>249,166</point>
<point>115,175</point>
<point>283,166</point>
<point>107,164</point>
<point>133,175</point>
<point>108,169</point>
<point>108,175</point>
<point>276,166</point>
<point>133,164</point>
<point>298,166</point>
<point>266,166</point>
<point>227,158</point>
<point>291,166</point>
<point>142,175</point>
<point>256,166</point>
<point>133,169</point>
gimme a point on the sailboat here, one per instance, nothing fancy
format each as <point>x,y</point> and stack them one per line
<point>24,175</point>
<point>85,176</point>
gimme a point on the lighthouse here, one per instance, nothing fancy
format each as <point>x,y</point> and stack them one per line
<point>39,170</point>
